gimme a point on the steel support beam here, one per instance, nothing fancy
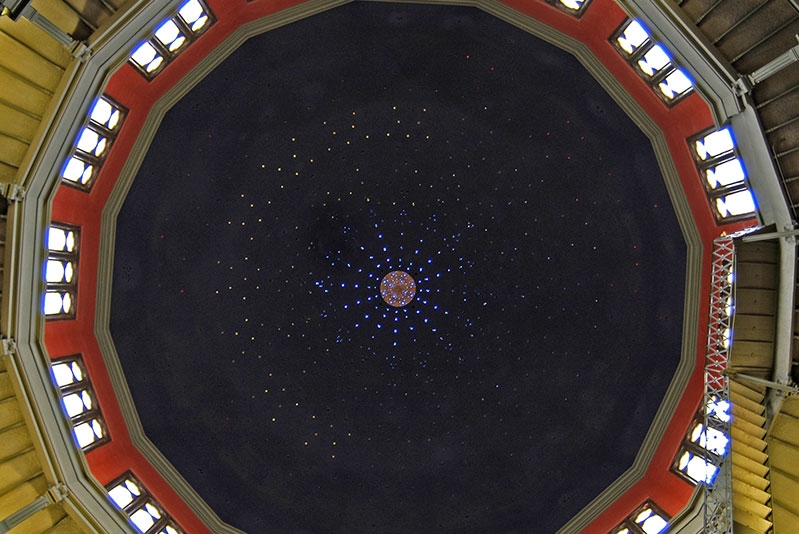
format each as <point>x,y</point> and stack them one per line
<point>718,495</point>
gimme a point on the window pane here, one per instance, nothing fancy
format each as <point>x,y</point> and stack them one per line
<point>101,112</point>
<point>716,441</point>
<point>738,203</point>
<point>191,11</point>
<point>88,140</point>
<point>144,54</point>
<point>152,510</point>
<point>133,487</point>
<point>193,15</point>
<point>64,374</point>
<point>697,468</point>
<point>54,271</point>
<point>56,238</point>
<point>105,113</point>
<point>113,120</point>
<point>675,84</point>
<point>715,144</point>
<point>154,64</point>
<point>58,271</point>
<point>77,403</point>
<point>728,173</point>
<point>146,57</point>
<point>199,23</point>
<point>77,171</point>
<point>56,303</point>
<point>169,35</point>
<point>77,372</point>
<point>720,409</point>
<point>60,239</point>
<point>654,60</point>
<point>97,428</point>
<point>711,439</point>
<point>142,520</point>
<point>632,37</point>
<point>573,4</point>
<point>654,525</point>
<point>86,398</point>
<point>167,32</point>
<point>643,516</point>
<point>122,495</point>
<point>88,432</point>
<point>177,43</point>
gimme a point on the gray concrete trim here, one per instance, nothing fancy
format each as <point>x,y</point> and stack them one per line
<point>108,239</point>
<point>773,207</point>
<point>65,461</point>
<point>711,72</point>
<point>693,275</point>
<point>579,50</point>
<point>78,502</point>
<point>22,318</point>
<point>716,80</point>
<point>760,168</point>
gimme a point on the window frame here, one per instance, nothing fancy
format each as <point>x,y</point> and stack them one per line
<point>632,59</point>
<point>109,134</point>
<point>82,385</point>
<point>630,524</point>
<point>139,502</point>
<point>703,165</point>
<point>577,13</point>
<point>167,55</point>
<point>70,288</point>
<point>689,445</point>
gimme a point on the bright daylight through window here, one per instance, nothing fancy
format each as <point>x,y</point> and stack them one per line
<point>652,62</point>
<point>171,37</point>
<point>573,7</point>
<point>704,447</point>
<point>93,143</point>
<point>647,519</point>
<point>79,402</point>
<point>723,174</point>
<point>146,515</point>
<point>61,271</point>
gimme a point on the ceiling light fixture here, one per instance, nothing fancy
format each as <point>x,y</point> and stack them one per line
<point>397,288</point>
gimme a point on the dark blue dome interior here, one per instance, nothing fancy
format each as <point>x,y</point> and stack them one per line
<point>529,209</point>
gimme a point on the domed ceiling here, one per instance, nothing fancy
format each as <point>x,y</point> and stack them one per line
<point>529,211</point>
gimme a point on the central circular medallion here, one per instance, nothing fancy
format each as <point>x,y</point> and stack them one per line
<point>397,288</point>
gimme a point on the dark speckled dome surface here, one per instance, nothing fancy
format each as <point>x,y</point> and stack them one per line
<point>531,213</point>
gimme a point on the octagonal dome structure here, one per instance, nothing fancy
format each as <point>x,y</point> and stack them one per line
<point>278,200</point>
<point>342,267</point>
